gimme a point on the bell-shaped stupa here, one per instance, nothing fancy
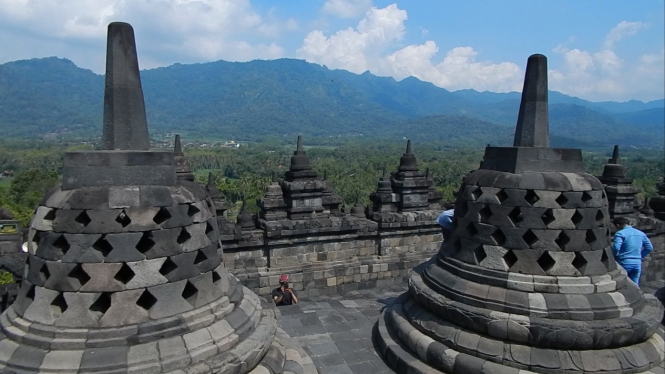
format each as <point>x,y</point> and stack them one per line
<point>527,282</point>
<point>125,271</point>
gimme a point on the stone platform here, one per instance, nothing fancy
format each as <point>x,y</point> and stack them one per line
<point>334,331</point>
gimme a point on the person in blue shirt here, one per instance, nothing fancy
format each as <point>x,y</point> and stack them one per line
<point>630,247</point>
<point>445,220</point>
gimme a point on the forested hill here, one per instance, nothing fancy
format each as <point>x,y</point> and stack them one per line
<point>285,97</point>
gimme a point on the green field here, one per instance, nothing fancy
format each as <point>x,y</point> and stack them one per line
<point>5,182</point>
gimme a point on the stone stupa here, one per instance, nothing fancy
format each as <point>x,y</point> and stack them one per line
<point>527,282</point>
<point>125,270</point>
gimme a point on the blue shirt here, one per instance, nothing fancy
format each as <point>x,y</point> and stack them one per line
<point>630,246</point>
<point>445,219</point>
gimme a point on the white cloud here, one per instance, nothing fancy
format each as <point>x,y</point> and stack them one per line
<point>358,49</point>
<point>167,30</point>
<point>367,48</point>
<point>620,31</point>
<point>603,75</point>
<point>346,8</point>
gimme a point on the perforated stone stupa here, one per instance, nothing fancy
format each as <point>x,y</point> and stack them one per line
<point>125,270</point>
<point>527,281</point>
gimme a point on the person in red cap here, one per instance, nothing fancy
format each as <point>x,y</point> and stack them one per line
<point>284,295</point>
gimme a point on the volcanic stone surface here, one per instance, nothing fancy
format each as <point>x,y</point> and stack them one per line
<point>125,270</point>
<point>527,280</point>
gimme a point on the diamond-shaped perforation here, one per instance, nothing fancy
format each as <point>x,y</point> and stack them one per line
<point>200,257</point>
<point>604,258</point>
<point>561,200</point>
<point>485,214</point>
<point>44,274</point>
<point>83,219</point>
<point>215,277</point>
<point>59,304</point>
<point>502,196</point>
<point>531,197</point>
<point>62,244</point>
<point>192,210</point>
<point>548,217</point>
<point>123,219</point>
<point>586,197</point>
<point>471,229</point>
<point>577,218</point>
<point>145,243</point>
<point>102,246</point>
<point>79,274</point>
<point>31,293</point>
<point>562,240</point>
<point>50,216</point>
<point>579,262</point>
<point>162,216</point>
<point>510,259</point>
<point>167,267</point>
<point>125,274</point>
<point>480,254</point>
<point>189,293</point>
<point>590,237</point>
<point>102,304</point>
<point>477,192</point>
<point>499,237</point>
<point>184,236</point>
<point>530,238</point>
<point>516,216</point>
<point>209,228</point>
<point>600,216</point>
<point>546,261</point>
<point>36,238</point>
<point>146,300</point>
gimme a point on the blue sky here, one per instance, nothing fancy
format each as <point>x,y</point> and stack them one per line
<point>597,50</point>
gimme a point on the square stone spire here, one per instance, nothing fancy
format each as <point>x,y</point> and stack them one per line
<point>125,125</point>
<point>531,149</point>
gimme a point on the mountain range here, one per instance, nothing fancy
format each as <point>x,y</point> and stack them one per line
<point>253,100</point>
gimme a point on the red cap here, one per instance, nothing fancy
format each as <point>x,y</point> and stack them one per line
<point>283,278</point>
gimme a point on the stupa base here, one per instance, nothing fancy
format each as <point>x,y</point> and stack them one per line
<point>412,339</point>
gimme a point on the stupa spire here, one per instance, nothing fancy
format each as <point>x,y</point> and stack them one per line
<point>125,126</point>
<point>533,119</point>
<point>177,146</point>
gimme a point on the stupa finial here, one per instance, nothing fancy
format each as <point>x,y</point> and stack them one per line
<point>408,147</point>
<point>125,126</point>
<point>533,119</point>
<point>299,144</point>
<point>211,180</point>
<point>177,147</point>
<point>615,154</point>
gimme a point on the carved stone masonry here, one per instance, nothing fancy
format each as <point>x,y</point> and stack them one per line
<point>125,270</point>
<point>621,193</point>
<point>527,280</point>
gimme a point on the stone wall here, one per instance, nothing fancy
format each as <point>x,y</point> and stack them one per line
<point>332,263</point>
<point>653,266</point>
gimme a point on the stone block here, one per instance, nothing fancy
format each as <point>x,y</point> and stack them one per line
<point>98,359</point>
<point>124,197</point>
<point>124,247</point>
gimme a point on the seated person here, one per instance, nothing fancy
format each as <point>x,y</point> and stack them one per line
<point>445,220</point>
<point>284,295</point>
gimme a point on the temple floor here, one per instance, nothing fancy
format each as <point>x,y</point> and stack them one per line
<point>336,331</point>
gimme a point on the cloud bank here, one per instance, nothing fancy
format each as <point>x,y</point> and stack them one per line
<point>189,31</point>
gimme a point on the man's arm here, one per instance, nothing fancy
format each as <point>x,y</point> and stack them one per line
<point>618,241</point>
<point>277,298</point>
<point>293,296</point>
<point>647,247</point>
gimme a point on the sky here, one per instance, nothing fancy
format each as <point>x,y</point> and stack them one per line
<point>597,49</point>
